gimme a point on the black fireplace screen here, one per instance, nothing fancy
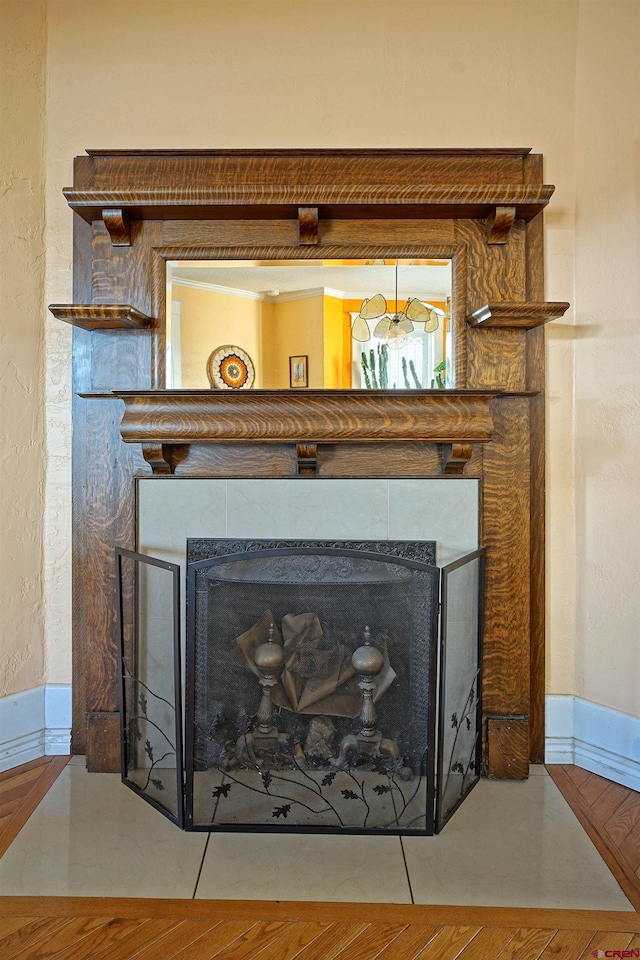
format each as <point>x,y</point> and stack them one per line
<point>329,687</point>
<point>150,680</point>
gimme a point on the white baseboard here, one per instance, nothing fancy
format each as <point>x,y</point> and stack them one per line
<point>35,723</point>
<point>597,738</point>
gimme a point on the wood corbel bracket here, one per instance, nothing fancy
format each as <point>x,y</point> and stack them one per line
<point>307,225</point>
<point>307,459</point>
<point>163,458</point>
<point>499,224</point>
<point>118,223</point>
<point>455,457</point>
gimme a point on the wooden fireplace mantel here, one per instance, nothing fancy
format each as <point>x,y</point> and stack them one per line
<point>135,210</point>
<point>322,416</point>
<point>163,419</point>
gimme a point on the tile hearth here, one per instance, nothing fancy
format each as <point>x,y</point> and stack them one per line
<point>511,844</point>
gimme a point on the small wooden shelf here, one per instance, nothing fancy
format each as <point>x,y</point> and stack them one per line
<point>101,316</point>
<point>516,316</point>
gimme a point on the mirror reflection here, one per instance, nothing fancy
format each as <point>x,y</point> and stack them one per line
<point>319,324</point>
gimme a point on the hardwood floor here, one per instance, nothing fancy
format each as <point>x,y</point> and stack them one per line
<point>21,790</point>
<point>53,928</point>
<point>610,814</point>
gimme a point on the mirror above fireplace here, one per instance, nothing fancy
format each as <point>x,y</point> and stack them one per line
<point>319,324</point>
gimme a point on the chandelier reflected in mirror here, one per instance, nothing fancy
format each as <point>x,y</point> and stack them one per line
<point>394,327</point>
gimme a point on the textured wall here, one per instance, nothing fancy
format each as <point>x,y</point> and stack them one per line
<point>607,368</point>
<point>22,428</point>
<point>393,73</point>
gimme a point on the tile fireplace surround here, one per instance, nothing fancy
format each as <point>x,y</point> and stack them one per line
<point>418,509</point>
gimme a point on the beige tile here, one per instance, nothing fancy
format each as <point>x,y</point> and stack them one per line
<point>537,770</point>
<point>171,511</point>
<point>92,836</point>
<point>509,844</point>
<point>261,866</point>
<point>512,844</point>
<point>435,509</point>
<point>78,760</point>
<point>321,509</point>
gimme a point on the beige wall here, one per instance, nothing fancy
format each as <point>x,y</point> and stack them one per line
<point>209,320</point>
<point>298,330</point>
<point>607,356</point>
<point>22,265</point>
<point>337,337</point>
<point>559,75</point>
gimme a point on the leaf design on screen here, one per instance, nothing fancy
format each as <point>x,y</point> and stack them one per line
<point>143,703</point>
<point>328,780</point>
<point>266,779</point>
<point>454,721</point>
<point>243,724</point>
<point>282,811</point>
<point>379,766</point>
<point>382,788</point>
<point>148,749</point>
<point>219,753</point>
<point>158,784</point>
<point>349,795</point>
<point>221,791</point>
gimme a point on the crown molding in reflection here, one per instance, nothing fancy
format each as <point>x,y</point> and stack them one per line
<point>217,288</point>
<point>288,295</point>
<point>285,297</point>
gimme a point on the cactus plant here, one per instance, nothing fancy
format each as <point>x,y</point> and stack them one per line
<point>405,374</point>
<point>376,379</point>
<point>383,365</point>
<point>439,382</point>
<point>372,369</point>
<point>365,370</point>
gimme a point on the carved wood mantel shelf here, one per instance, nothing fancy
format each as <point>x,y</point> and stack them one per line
<point>178,417</point>
<point>323,416</point>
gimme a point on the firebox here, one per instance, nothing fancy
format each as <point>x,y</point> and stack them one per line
<point>329,686</point>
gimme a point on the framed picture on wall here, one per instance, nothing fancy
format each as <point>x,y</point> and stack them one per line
<point>298,371</point>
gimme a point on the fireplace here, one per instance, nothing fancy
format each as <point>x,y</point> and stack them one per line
<point>330,686</point>
<point>478,209</point>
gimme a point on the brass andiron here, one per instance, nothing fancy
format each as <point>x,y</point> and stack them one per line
<point>367,661</point>
<point>268,658</point>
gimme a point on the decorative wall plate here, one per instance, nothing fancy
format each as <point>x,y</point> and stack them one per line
<point>230,368</point>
